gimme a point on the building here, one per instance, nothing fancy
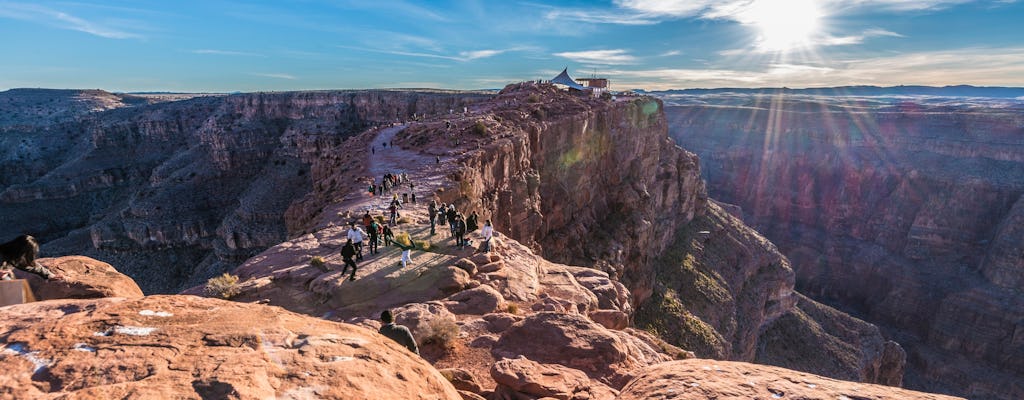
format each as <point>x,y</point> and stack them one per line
<point>597,86</point>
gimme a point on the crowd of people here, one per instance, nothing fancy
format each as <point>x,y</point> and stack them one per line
<point>366,235</point>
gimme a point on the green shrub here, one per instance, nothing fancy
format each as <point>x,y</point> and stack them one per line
<point>479,128</point>
<point>442,331</point>
<point>224,286</point>
<point>512,308</point>
<point>533,98</point>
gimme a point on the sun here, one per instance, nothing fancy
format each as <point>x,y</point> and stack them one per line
<point>783,25</point>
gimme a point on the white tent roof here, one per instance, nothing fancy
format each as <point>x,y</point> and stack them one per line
<point>564,79</point>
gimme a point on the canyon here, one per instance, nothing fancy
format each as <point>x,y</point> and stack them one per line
<point>903,211</point>
<point>610,259</point>
<point>175,192</point>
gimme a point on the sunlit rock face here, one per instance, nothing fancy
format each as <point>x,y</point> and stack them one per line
<point>187,347</point>
<point>908,214</point>
<point>175,192</point>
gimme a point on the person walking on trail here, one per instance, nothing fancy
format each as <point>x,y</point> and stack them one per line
<point>372,229</point>
<point>356,235</point>
<point>432,212</point>
<point>347,252</point>
<point>488,233</point>
<point>393,209</point>
<point>406,251</point>
<point>367,220</point>
<point>388,235</point>
<point>396,332</point>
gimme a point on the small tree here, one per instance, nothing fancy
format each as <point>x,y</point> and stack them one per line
<point>479,128</point>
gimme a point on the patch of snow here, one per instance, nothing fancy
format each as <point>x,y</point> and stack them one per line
<point>134,330</point>
<point>341,358</point>
<point>105,333</point>
<point>84,347</point>
<point>19,349</point>
<point>151,313</point>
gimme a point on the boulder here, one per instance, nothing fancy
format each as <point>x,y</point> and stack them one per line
<point>548,380</point>
<point>84,278</point>
<point>710,379</point>
<point>189,347</point>
<point>466,265</point>
<point>461,379</point>
<point>611,319</point>
<point>480,300</point>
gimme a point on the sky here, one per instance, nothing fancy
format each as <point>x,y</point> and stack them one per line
<point>225,46</point>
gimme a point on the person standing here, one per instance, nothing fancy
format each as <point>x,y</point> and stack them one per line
<point>396,332</point>
<point>388,235</point>
<point>406,251</point>
<point>460,231</point>
<point>372,229</point>
<point>356,235</point>
<point>487,232</point>
<point>432,212</point>
<point>347,252</point>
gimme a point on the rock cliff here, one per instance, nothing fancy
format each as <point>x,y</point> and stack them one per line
<point>582,182</point>
<point>906,214</point>
<point>194,187</point>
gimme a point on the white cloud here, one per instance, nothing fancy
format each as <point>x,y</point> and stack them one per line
<point>473,55</point>
<point>275,75</point>
<point>600,57</point>
<point>462,56</point>
<point>62,20</point>
<point>972,66</point>
<point>670,53</point>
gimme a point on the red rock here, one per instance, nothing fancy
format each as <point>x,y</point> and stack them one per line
<point>701,379</point>
<point>191,347</point>
<point>610,319</point>
<point>84,278</point>
<point>461,379</point>
<point>545,380</point>
<point>480,300</point>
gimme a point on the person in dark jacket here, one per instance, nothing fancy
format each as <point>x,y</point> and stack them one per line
<point>347,252</point>
<point>432,212</point>
<point>460,231</point>
<point>373,233</point>
<point>396,332</point>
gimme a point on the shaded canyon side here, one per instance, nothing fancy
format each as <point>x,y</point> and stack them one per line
<point>908,215</point>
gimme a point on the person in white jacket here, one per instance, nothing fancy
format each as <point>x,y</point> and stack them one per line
<point>356,235</point>
<point>487,231</point>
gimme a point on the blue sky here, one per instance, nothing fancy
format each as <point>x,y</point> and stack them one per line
<point>215,45</point>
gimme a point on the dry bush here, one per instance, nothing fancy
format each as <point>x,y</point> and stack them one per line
<point>224,286</point>
<point>403,238</point>
<point>423,245</point>
<point>512,308</point>
<point>404,220</point>
<point>442,331</point>
<point>318,262</point>
<point>480,128</point>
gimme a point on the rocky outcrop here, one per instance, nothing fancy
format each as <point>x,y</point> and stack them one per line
<point>709,379</point>
<point>195,187</point>
<point>908,215</point>
<point>191,348</point>
<point>81,278</point>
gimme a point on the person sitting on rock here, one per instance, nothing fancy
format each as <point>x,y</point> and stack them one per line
<point>396,332</point>
<point>347,252</point>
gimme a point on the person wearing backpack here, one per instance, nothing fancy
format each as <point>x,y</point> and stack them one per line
<point>372,229</point>
<point>347,252</point>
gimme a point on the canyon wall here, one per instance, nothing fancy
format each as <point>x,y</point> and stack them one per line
<point>599,184</point>
<point>906,214</point>
<point>176,192</point>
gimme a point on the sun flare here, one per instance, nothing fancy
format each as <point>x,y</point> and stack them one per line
<point>784,25</point>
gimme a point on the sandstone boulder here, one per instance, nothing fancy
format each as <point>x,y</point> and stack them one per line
<point>84,278</point>
<point>710,379</point>
<point>548,380</point>
<point>461,379</point>
<point>189,347</point>
<point>574,341</point>
<point>480,300</point>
